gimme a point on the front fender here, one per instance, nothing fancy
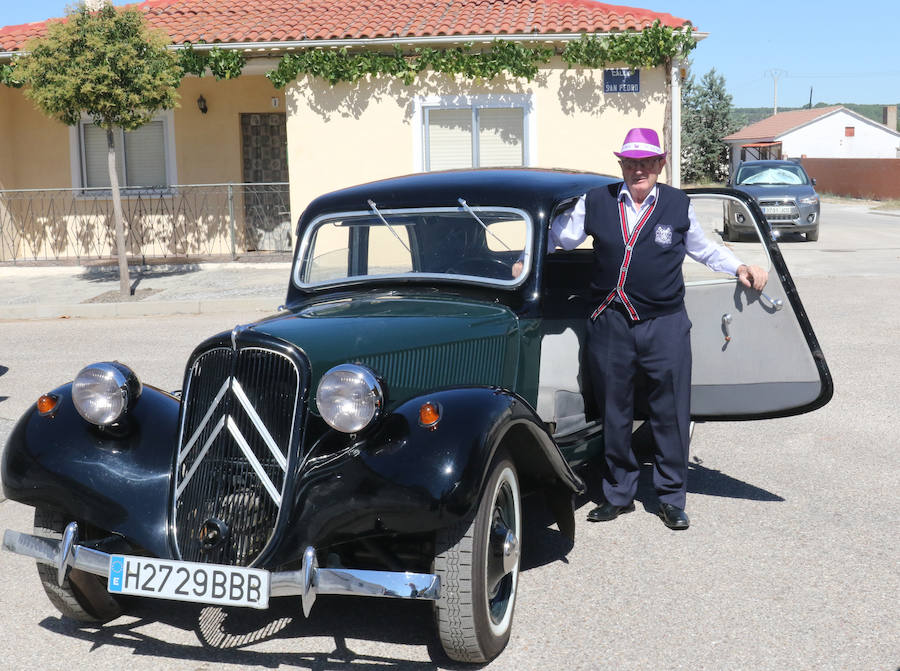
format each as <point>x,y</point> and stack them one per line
<point>119,483</point>
<point>404,478</point>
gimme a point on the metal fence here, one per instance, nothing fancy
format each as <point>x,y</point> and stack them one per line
<point>180,221</point>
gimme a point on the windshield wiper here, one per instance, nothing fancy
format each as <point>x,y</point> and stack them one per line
<point>390,228</point>
<point>468,209</point>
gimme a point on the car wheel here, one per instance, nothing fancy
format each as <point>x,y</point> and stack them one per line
<point>731,235</point>
<point>812,236</point>
<point>82,596</point>
<point>477,562</point>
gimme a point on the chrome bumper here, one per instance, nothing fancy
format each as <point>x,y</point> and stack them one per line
<point>307,583</point>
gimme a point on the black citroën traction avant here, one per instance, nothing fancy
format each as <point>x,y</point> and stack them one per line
<point>377,435</point>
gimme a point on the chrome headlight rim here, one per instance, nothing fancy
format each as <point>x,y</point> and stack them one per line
<point>338,406</point>
<point>104,393</point>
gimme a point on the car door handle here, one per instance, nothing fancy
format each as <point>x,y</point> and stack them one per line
<point>776,303</point>
<point>726,322</point>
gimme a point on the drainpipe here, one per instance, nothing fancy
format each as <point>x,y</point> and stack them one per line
<point>675,158</point>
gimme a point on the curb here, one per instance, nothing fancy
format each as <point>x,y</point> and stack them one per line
<point>135,309</point>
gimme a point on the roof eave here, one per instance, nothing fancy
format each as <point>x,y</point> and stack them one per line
<point>425,40</point>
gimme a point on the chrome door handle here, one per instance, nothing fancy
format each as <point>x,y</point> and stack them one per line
<point>776,303</point>
<point>726,322</point>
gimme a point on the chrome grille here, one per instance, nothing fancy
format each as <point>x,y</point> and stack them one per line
<point>240,408</point>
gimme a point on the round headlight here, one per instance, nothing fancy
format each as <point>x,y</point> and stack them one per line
<point>349,397</point>
<point>104,392</point>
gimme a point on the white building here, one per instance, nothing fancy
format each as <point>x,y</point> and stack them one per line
<point>825,132</point>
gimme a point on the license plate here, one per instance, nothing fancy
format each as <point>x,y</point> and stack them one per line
<point>188,581</point>
<point>778,210</point>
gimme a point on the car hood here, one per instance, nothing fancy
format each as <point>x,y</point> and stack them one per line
<point>777,191</point>
<point>416,344</point>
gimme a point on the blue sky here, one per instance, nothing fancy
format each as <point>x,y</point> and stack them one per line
<point>847,53</point>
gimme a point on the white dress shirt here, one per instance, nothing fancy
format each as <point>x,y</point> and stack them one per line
<point>567,232</point>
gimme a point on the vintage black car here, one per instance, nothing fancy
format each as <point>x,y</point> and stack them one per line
<point>377,435</point>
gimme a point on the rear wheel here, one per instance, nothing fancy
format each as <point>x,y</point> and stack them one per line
<point>82,596</point>
<point>478,565</point>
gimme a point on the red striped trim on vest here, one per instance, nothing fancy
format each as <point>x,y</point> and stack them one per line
<point>629,242</point>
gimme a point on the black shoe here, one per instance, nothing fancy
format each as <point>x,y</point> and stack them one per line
<point>607,511</point>
<point>673,516</point>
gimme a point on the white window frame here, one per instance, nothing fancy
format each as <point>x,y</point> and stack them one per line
<point>77,157</point>
<point>423,104</point>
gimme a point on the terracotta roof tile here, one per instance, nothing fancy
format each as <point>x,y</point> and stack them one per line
<point>288,20</point>
<point>779,124</point>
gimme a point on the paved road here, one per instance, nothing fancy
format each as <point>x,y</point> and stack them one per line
<point>791,562</point>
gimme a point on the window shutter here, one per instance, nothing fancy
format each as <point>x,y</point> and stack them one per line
<point>96,169</point>
<point>145,156</point>
<point>449,138</point>
<point>501,136</point>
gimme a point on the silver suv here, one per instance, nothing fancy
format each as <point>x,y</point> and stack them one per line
<point>784,192</point>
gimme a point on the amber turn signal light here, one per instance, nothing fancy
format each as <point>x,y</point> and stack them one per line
<point>47,403</point>
<point>429,415</point>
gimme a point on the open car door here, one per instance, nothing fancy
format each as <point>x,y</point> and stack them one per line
<point>754,354</point>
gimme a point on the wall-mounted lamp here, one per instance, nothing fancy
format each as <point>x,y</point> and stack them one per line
<point>201,104</point>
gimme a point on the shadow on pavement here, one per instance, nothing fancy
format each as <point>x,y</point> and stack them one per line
<point>224,634</point>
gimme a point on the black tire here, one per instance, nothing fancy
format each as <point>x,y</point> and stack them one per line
<point>812,236</point>
<point>478,594</point>
<point>730,235</point>
<point>82,596</point>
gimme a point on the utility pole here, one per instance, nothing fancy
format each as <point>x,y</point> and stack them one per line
<point>775,74</point>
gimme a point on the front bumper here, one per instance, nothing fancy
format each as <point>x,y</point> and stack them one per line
<point>802,218</point>
<point>307,583</point>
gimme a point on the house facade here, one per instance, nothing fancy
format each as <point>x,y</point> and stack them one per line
<point>827,132</point>
<point>317,136</point>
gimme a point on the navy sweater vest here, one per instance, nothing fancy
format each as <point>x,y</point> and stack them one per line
<point>644,270</point>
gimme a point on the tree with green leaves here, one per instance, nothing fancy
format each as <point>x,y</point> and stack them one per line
<point>705,119</point>
<point>108,65</point>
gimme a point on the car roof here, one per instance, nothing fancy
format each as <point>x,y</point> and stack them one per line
<point>504,187</point>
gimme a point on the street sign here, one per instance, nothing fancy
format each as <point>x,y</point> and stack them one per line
<point>621,80</point>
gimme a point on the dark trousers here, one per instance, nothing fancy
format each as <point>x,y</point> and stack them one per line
<point>658,349</point>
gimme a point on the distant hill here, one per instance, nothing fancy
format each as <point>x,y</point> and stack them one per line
<point>744,116</point>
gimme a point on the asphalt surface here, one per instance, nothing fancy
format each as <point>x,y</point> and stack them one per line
<point>791,562</point>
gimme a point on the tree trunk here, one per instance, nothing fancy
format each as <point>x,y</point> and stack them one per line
<point>124,287</point>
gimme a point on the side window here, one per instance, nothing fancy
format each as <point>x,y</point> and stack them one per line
<point>727,221</point>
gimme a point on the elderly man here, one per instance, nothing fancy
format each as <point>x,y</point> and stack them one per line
<point>641,231</point>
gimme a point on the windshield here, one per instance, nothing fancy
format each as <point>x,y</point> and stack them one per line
<point>792,175</point>
<point>472,244</point>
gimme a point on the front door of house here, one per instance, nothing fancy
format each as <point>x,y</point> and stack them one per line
<point>266,208</point>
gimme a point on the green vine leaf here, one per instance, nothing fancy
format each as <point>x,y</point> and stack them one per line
<point>222,63</point>
<point>651,47</point>
<point>8,76</point>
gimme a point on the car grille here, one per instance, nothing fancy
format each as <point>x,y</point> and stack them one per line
<point>239,412</point>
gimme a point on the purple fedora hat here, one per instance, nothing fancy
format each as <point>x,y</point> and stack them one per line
<point>641,143</point>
